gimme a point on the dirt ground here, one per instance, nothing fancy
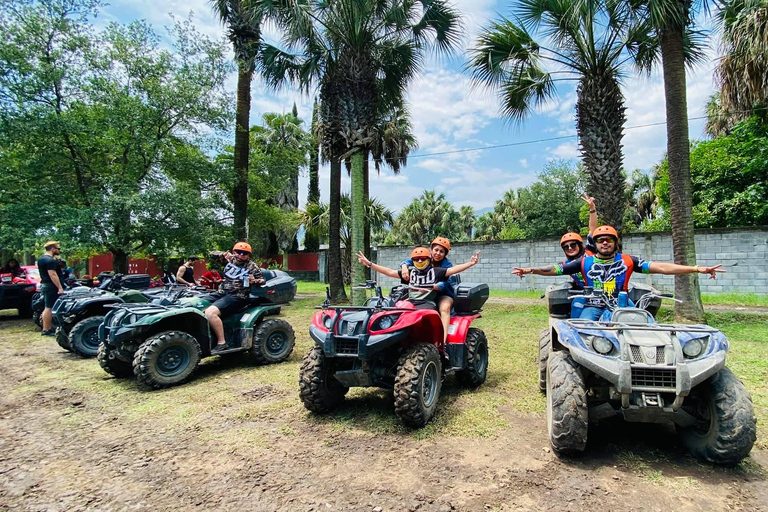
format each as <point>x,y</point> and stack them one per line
<point>67,444</point>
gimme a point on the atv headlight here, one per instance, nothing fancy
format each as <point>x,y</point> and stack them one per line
<point>693,348</point>
<point>602,345</point>
<point>327,322</point>
<point>385,322</point>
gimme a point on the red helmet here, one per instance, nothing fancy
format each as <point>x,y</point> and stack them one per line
<point>420,252</point>
<point>606,230</point>
<point>442,242</point>
<point>242,246</point>
<point>571,237</point>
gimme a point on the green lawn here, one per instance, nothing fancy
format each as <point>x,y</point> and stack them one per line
<point>736,299</point>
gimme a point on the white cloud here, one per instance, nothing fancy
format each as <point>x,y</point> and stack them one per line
<point>524,162</point>
<point>566,150</point>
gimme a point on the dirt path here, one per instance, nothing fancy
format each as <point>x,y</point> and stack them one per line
<point>67,447</point>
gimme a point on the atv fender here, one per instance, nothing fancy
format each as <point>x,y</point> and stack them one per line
<point>253,316</point>
<point>189,320</point>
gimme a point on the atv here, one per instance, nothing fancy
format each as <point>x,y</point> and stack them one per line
<point>627,364</point>
<point>78,313</point>
<point>16,293</point>
<point>162,344</point>
<point>389,343</point>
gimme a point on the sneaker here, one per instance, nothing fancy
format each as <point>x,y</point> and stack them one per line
<point>219,348</point>
<point>49,332</point>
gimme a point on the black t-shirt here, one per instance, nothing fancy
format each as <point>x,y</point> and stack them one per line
<point>46,263</point>
<point>424,279</point>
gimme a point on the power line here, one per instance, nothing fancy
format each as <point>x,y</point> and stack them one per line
<point>537,141</point>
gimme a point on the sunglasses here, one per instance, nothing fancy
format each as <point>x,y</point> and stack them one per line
<point>569,246</point>
<point>604,239</point>
<point>420,258</point>
<point>242,253</point>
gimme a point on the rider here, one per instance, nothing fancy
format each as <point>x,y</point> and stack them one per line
<point>423,276</point>
<point>239,274</point>
<point>186,273</point>
<point>573,245</point>
<point>609,271</point>
<point>211,279</point>
<point>439,250</point>
<point>12,267</point>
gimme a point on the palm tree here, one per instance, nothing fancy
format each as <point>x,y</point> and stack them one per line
<point>244,32</point>
<point>428,216</point>
<point>590,42</point>
<point>361,54</point>
<point>742,73</point>
<point>670,21</point>
<point>467,220</point>
<point>642,190</point>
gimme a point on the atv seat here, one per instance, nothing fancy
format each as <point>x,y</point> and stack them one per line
<point>631,316</point>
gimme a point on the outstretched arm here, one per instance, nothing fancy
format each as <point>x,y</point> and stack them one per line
<point>592,212</point>
<point>464,266</point>
<point>542,271</point>
<point>378,268</point>
<point>675,269</point>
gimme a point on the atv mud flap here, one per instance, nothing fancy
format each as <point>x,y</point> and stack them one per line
<point>363,346</point>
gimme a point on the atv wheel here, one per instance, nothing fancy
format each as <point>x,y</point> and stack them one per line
<point>62,339</point>
<point>37,318</point>
<point>319,391</point>
<point>273,341</point>
<point>84,336</point>
<point>566,405</point>
<point>477,361</point>
<point>417,385</point>
<point>545,345</point>
<point>166,359</point>
<point>111,364</point>
<point>725,430</point>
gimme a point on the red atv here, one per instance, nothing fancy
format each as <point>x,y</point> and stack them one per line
<point>390,344</point>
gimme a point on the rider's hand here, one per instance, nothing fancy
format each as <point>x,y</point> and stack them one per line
<point>520,272</point>
<point>363,260</point>
<point>61,291</point>
<point>712,271</point>
<point>589,200</point>
<point>436,287</point>
<point>475,259</point>
<point>404,272</point>
<point>228,256</point>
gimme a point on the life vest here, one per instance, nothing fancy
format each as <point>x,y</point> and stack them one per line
<point>611,277</point>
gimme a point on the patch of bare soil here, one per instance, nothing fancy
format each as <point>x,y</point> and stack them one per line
<point>66,450</point>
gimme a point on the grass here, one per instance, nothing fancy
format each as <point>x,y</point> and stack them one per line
<point>735,299</point>
<point>243,396</point>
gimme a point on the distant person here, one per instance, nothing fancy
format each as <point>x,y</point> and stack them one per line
<point>12,267</point>
<point>51,285</point>
<point>66,271</point>
<point>186,273</point>
<point>211,279</point>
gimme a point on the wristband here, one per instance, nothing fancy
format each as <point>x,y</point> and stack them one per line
<point>592,211</point>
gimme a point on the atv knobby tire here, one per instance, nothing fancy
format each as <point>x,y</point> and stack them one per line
<point>84,336</point>
<point>37,318</point>
<point>726,429</point>
<point>112,365</point>
<point>567,413</point>
<point>319,391</point>
<point>477,359</point>
<point>417,385</point>
<point>166,359</point>
<point>62,339</point>
<point>273,341</point>
<point>545,345</point>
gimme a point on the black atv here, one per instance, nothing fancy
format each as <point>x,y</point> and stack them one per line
<point>77,315</point>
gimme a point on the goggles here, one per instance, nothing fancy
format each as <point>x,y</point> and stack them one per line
<point>420,258</point>
<point>242,253</point>
<point>604,239</point>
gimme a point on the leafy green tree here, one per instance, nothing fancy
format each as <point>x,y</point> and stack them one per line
<point>589,41</point>
<point>244,32</point>
<point>98,131</point>
<point>729,178</point>
<point>467,221</point>
<point>427,217</point>
<point>362,54</point>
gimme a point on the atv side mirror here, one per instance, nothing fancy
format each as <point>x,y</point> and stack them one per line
<point>327,302</point>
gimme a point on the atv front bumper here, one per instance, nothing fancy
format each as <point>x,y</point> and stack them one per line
<point>361,346</point>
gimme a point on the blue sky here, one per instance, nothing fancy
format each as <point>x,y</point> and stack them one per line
<point>449,114</point>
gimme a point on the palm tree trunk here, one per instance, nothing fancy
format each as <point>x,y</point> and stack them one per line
<point>335,277</point>
<point>367,196</point>
<point>311,241</point>
<point>680,194</point>
<point>242,126</point>
<point>600,124</point>
<point>358,225</point>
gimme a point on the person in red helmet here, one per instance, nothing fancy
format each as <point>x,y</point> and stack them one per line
<point>238,276</point>
<point>423,274</point>
<point>609,270</point>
